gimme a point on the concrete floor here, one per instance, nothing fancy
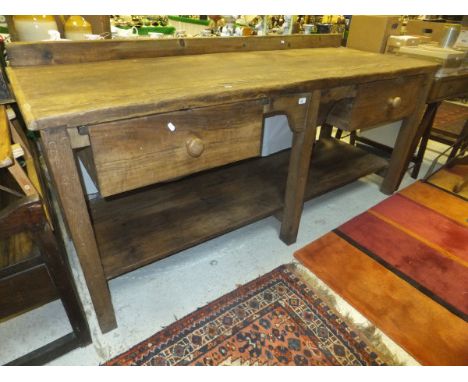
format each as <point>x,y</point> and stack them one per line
<point>149,299</point>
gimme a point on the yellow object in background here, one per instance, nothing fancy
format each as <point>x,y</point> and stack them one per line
<point>34,27</point>
<point>76,27</point>
<point>331,19</point>
<point>6,158</point>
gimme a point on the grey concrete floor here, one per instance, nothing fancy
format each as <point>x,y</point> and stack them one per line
<point>150,298</point>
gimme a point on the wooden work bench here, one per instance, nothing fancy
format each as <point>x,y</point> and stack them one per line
<point>175,131</point>
<point>443,88</point>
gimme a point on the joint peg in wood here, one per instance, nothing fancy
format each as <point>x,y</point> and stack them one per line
<point>195,147</point>
<point>394,102</point>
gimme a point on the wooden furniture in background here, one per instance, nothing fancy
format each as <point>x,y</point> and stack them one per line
<point>120,97</point>
<point>40,279</point>
<point>33,267</point>
<point>442,88</point>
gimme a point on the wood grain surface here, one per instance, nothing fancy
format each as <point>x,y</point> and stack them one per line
<point>373,106</point>
<point>97,92</point>
<point>61,163</point>
<point>408,137</point>
<point>135,153</point>
<point>299,165</point>
<point>450,86</point>
<point>25,291</point>
<point>6,157</point>
<point>72,52</point>
<point>139,227</point>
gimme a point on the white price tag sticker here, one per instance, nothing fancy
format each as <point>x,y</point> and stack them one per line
<point>171,126</point>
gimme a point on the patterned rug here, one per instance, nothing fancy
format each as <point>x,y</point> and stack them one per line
<point>276,319</point>
<point>403,265</point>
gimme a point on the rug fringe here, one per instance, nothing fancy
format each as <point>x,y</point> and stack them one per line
<point>370,331</point>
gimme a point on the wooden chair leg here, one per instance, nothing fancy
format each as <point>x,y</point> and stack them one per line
<point>352,138</point>
<point>454,151</point>
<point>420,154</point>
<point>425,126</point>
<point>461,144</point>
<point>23,181</point>
<point>338,134</point>
<point>325,131</point>
<point>60,273</point>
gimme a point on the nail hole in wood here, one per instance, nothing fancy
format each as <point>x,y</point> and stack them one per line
<point>48,55</point>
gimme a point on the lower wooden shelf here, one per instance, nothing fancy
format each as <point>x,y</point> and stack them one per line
<point>138,228</point>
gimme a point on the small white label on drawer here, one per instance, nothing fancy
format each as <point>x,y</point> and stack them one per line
<point>171,126</point>
<point>302,100</point>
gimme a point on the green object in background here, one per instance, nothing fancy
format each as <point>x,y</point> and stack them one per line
<point>189,20</point>
<point>33,135</point>
<point>3,30</point>
<point>143,31</point>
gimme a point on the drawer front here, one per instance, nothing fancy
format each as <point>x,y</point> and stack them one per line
<point>134,153</point>
<point>449,87</point>
<point>385,101</point>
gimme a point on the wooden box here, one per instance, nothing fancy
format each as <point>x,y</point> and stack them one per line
<point>370,33</point>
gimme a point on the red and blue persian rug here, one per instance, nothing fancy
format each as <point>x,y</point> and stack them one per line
<point>276,319</point>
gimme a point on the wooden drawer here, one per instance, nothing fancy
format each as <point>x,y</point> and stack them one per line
<point>449,87</point>
<point>384,101</point>
<point>133,153</point>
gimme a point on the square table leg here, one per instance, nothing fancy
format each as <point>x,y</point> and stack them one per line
<point>62,166</point>
<point>299,162</point>
<point>410,132</point>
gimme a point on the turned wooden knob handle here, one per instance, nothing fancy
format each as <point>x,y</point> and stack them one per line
<point>195,146</point>
<point>394,102</point>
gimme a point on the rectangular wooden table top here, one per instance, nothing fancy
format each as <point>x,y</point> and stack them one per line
<point>71,95</point>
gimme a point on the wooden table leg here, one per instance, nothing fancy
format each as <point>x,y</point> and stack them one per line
<point>62,166</point>
<point>299,162</point>
<point>404,145</point>
<point>326,130</point>
<point>460,144</point>
<point>425,127</point>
